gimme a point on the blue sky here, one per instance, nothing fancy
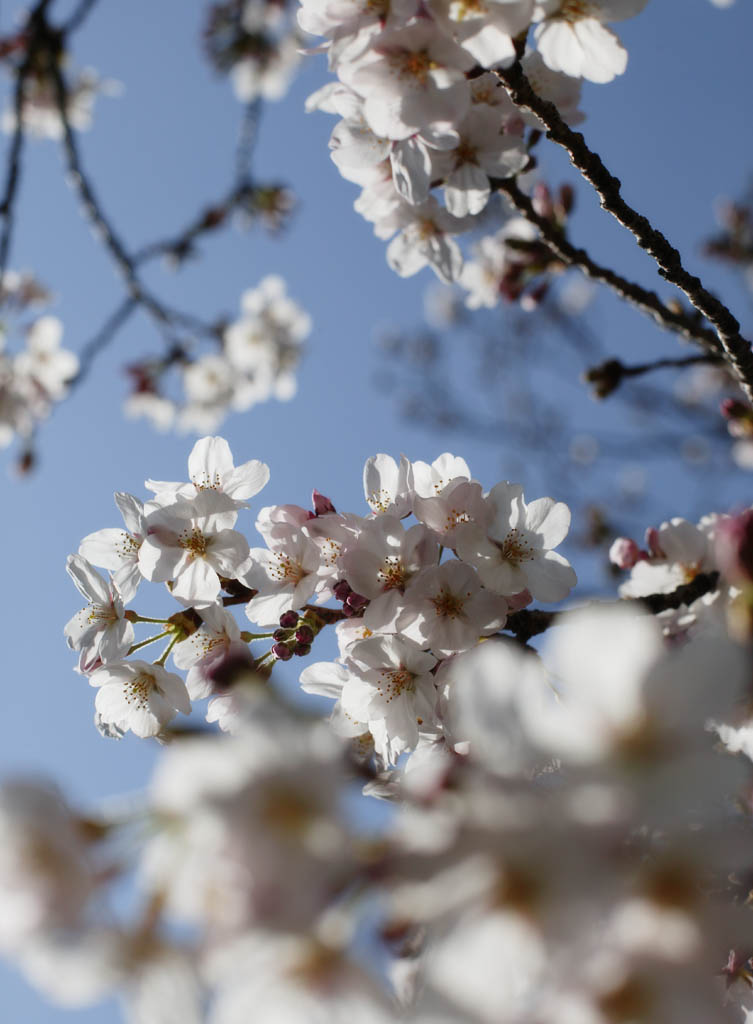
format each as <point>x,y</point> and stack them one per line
<point>675,128</point>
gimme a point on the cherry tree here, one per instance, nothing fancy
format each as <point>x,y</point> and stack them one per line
<point>511,800</point>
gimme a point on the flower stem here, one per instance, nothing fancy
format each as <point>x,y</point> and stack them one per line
<point>143,643</point>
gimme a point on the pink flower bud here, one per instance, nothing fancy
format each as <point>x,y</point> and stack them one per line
<point>652,543</point>
<point>282,651</point>
<point>734,547</point>
<point>624,553</point>
<point>518,601</point>
<point>322,505</point>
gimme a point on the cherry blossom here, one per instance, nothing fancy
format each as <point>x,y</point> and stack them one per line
<point>516,551</point>
<point>100,631</point>
<point>138,697</point>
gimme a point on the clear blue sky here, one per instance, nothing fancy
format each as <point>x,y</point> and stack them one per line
<point>675,128</point>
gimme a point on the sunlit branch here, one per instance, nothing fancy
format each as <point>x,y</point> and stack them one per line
<point>642,298</point>
<point>737,349</point>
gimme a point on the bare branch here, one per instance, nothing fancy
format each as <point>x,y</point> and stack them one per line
<point>737,349</point>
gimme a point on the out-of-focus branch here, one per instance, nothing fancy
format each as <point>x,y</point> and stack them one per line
<point>607,376</point>
<point>79,16</point>
<point>737,349</point>
<point>642,298</point>
<point>165,317</point>
<point>530,622</point>
<point>102,338</point>
<point>246,144</point>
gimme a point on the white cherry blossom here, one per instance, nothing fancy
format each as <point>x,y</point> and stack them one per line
<point>449,610</point>
<point>118,550</point>
<point>571,36</point>
<point>100,631</point>
<point>189,544</point>
<point>211,468</point>
<point>516,551</point>
<point>139,697</point>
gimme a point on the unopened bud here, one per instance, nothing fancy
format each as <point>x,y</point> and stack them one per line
<point>624,553</point>
<point>322,505</point>
<point>734,547</point>
<point>302,650</point>
<point>289,620</point>
<point>342,590</point>
<point>652,543</point>
<point>356,601</point>
<point>304,635</point>
<point>282,652</point>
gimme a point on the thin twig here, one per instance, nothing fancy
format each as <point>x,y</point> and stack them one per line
<point>163,315</point>
<point>247,136</point>
<point>642,298</point>
<point>179,245</point>
<point>102,338</point>
<point>737,349</point>
<point>12,169</point>
<point>607,376</point>
<point>78,17</point>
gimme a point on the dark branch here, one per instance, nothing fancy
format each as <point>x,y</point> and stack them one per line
<point>737,349</point>
<point>531,622</point>
<point>642,298</point>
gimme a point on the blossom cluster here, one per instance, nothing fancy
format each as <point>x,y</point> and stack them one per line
<point>257,42</point>
<point>421,106</point>
<point>34,378</point>
<point>257,361</point>
<point>404,610</point>
<point>40,106</point>
<point>569,842</point>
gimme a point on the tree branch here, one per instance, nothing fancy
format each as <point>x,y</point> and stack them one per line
<point>78,17</point>
<point>532,622</point>
<point>736,348</point>
<point>608,376</point>
<point>643,299</point>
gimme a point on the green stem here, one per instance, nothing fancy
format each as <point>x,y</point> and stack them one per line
<point>163,657</point>
<point>143,643</point>
<point>135,617</point>
<point>248,637</point>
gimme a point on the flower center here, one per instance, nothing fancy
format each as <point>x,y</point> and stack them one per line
<point>137,691</point>
<point>447,604</point>
<point>393,575</point>
<point>127,546</point>
<point>380,500</point>
<point>574,10</point>
<point>465,154</point>
<point>413,64</point>
<point>286,569</point>
<point>206,482</point>
<point>460,9</point>
<point>515,549</point>
<point>194,542</point>
<point>393,682</point>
